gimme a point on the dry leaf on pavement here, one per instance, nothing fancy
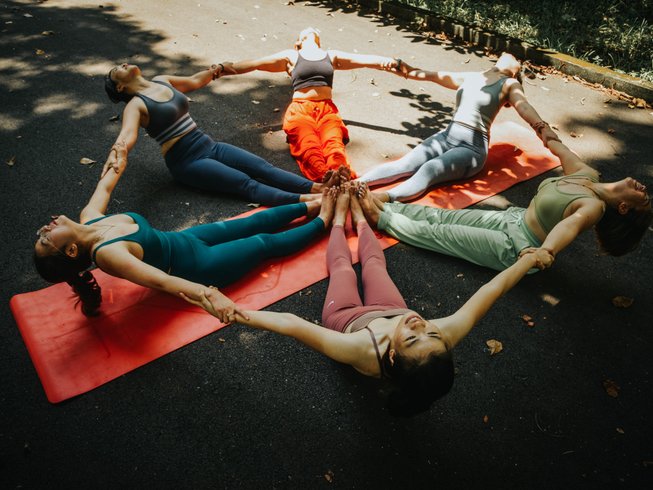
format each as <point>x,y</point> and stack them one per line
<point>622,301</point>
<point>87,161</point>
<point>495,346</point>
<point>11,161</point>
<point>611,388</point>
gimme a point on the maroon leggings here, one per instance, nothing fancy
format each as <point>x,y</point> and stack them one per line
<point>343,304</point>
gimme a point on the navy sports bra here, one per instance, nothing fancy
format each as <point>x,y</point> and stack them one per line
<point>312,73</point>
<point>168,119</point>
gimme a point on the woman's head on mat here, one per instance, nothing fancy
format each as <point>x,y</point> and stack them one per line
<point>116,82</point>
<point>626,218</point>
<point>420,365</point>
<point>311,34</point>
<point>60,257</point>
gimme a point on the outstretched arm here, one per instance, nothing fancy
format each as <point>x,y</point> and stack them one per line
<point>527,112</point>
<point>338,346</point>
<point>447,79</point>
<point>131,121</point>
<point>121,263</point>
<point>97,204</point>
<point>274,63</point>
<point>587,213</point>
<point>193,82</point>
<point>458,325</point>
<point>350,61</point>
<point>570,161</point>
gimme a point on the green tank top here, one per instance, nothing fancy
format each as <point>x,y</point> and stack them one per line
<point>550,202</point>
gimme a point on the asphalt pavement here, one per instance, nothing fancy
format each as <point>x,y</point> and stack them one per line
<point>248,409</point>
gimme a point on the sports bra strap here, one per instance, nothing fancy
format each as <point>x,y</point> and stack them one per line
<point>376,349</point>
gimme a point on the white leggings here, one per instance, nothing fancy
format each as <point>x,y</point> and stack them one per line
<point>457,152</point>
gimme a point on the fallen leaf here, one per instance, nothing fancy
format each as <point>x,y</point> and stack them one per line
<point>582,100</point>
<point>276,109</point>
<point>385,155</point>
<point>622,301</point>
<point>466,61</point>
<point>541,77</point>
<point>328,476</point>
<point>495,346</point>
<point>11,161</point>
<point>611,388</point>
<point>114,118</point>
<point>221,340</point>
<point>528,320</point>
<point>255,102</point>
<point>253,205</point>
<point>610,131</point>
<point>573,134</point>
<point>460,275</point>
<point>640,103</point>
<point>87,161</point>
<point>29,16</point>
<point>39,52</point>
<point>47,33</point>
<point>620,430</point>
<point>631,106</point>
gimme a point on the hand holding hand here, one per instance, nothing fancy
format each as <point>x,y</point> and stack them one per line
<point>117,159</point>
<point>543,258</point>
<point>217,304</point>
<point>547,134</point>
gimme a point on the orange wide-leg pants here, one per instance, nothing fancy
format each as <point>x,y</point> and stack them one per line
<point>317,136</point>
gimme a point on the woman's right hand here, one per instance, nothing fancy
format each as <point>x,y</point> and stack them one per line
<point>117,159</point>
<point>543,258</point>
<point>217,304</point>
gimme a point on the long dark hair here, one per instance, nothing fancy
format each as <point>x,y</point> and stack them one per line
<point>111,89</point>
<point>619,234</point>
<point>417,384</point>
<point>59,267</point>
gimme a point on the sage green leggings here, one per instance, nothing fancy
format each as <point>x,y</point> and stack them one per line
<point>489,238</point>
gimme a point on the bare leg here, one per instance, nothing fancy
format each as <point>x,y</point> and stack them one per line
<point>342,206</point>
<point>328,205</point>
<point>311,197</point>
<point>357,215</point>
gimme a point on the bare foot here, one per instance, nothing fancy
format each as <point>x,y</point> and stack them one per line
<point>311,197</point>
<point>381,197</point>
<point>328,204</point>
<point>342,206</point>
<point>345,173</point>
<point>370,208</point>
<point>331,178</point>
<point>317,188</point>
<point>313,207</point>
<point>357,215</point>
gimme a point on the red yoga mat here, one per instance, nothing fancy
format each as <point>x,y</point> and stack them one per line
<point>73,354</point>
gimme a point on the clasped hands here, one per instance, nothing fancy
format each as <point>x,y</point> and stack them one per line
<point>217,304</point>
<point>543,257</point>
<point>117,159</point>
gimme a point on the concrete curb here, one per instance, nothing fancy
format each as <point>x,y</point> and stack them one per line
<point>632,86</point>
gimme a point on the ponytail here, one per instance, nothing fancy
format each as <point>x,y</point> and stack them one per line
<point>58,268</point>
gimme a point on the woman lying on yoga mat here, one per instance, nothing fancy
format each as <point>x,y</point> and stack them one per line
<point>563,207</point>
<point>193,158</point>
<point>180,263</point>
<point>460,150</point>
<point>314,129</point>
<point>380,336</point>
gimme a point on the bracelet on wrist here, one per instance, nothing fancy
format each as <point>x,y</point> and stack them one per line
<point>539,126</point>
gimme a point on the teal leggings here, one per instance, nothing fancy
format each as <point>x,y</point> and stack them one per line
<point>489,238</point>
<point>223,252</point>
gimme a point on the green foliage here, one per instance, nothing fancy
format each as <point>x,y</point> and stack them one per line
<point>612,33</point>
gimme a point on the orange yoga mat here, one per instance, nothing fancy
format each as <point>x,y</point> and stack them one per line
<point>73,354</point>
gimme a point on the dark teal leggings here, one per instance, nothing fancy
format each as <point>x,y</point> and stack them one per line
<point>224,251</point>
